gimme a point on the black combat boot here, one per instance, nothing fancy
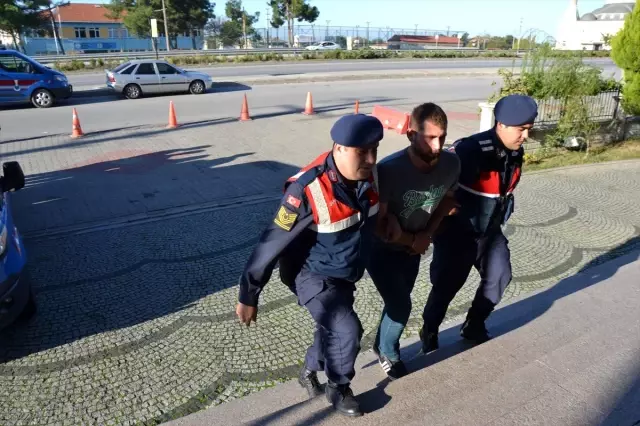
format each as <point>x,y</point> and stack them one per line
<point>342,399</point>
<point>475,331</point>
<point>309,380</point>
<point>429,342</point>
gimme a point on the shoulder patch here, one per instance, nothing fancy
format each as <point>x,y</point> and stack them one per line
<point>285,218</point>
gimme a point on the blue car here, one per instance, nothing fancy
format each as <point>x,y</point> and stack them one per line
<point>16,297</point>
<point>24,80</point>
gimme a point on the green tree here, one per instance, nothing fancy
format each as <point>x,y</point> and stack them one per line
<point>183,16</point>
<point>197,14</point>
<point>625,52</point>
<point>464,40</point>
<point>16,17</point>
<point>290,10</point>
<point>508,41</point>
<point>238,23</point>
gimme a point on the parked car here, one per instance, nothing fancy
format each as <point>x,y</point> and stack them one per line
<point>324,45</point>
<point>136,78</point>
<point>16,297</point>
<point>24,80</point>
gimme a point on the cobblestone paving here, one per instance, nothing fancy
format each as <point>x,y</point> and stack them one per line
<point>136,320</point>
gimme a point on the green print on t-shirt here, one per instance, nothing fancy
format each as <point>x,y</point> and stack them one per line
<point>414,200</point>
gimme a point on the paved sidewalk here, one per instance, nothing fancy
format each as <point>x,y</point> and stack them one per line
<point>565,356</point>
<point>136,313</point>
<point>143,170</point>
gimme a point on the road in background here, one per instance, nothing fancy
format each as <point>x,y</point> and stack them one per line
<point>109,113</point>
<point>229,72</point>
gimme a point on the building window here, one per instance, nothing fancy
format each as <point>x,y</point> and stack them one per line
<point>80,32</point>
<point>94,32</point>
<point>118,33</point>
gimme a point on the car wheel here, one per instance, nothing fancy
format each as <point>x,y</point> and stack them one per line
<point>42,98</point>
<point>197,87</point>
<point>132,91</point>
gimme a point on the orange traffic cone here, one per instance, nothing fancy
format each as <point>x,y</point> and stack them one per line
<point>173,123</point>
<point>357,107</point>
<point>244,113</point>
<point>76,131</point>
<point>308,108</point>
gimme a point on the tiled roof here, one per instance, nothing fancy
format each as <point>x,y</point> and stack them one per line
<point>83,12</point>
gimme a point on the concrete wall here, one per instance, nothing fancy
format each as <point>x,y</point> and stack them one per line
<point>47,46</point>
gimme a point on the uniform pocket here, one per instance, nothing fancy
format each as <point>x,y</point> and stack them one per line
<point>308,286</point>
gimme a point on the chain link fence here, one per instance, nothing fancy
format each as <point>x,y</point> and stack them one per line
<point>363,36</point>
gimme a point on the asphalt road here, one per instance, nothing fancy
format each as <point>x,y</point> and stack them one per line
<point>108,113</point>
<point>229,72</point>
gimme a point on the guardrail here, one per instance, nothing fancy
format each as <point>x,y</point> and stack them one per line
<point>214,52</point>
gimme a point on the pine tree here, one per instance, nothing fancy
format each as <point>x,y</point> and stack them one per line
<point>290,10</point>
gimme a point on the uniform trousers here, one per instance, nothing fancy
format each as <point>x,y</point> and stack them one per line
<point>455,252</point>
<point>336,342</point>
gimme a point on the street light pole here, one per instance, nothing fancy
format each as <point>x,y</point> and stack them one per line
<point>166,26</point>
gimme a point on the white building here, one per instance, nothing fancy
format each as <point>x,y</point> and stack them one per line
<point>6,39</point>
<point>587,32</point>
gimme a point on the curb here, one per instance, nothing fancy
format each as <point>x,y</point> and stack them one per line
<point>83,93</point>
<point>582,166</point>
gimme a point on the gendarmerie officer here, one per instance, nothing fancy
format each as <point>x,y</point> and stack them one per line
<point>490,169</point>
<point>320,235</point>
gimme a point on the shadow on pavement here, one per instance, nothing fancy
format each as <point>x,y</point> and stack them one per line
<point>108,279</point>
<point>627,410</point>
<point>518,314</point>
<point>147,131</point>
<point>103,94</point>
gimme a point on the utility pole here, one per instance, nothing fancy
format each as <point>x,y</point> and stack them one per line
<point>56,36</point>
<point>326,37</point>
<point>415,32</point>
<point>368,41</point>
<point>244,27</point>
<point>268,24</point>
<point>166,26</point>
<point>519,36</point>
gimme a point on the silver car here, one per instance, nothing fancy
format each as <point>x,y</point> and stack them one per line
<point>135,78</point>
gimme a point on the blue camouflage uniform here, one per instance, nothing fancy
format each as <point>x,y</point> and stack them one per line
<point>320,236</point>
<point>473,236</point>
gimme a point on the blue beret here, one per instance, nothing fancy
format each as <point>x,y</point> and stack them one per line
<point>516,110</point>
<point>357,130</point>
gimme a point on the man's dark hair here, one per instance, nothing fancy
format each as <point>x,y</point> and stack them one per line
<point>428,112</point>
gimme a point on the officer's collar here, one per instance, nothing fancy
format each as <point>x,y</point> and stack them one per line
<point>334,174</point>
<point>500,150</point>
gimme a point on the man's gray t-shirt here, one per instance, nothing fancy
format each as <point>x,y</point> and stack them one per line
<point>412,195</point>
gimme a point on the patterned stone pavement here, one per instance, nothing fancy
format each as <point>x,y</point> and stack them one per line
<point>136,239</point>
<point>136,321</point>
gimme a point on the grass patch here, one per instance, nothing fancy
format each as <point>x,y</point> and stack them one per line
<point>626,150</point>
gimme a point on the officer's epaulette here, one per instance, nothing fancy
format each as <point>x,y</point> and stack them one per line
<point>310,175</point>
<point>307,177</point>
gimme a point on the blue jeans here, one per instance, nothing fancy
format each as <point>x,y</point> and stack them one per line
<point>394,274</point>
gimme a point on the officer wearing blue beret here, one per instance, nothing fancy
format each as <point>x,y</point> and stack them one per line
<point>491,165</point>
<point>320,236</point>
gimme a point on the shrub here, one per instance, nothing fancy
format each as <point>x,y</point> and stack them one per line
<point>563,79</point>
<point>625,52</point>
